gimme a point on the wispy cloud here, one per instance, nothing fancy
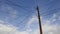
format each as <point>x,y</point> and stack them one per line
<point>9,29</point>
<point>32,27</point>
<point>47,29</point>
<point>31,20</point>
<point>48,26</point>
<point>6,9</point>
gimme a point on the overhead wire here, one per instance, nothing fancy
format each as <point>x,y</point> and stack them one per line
<point>11,3</point>
<point>22,15</point>
<point>17,5</point>
<point>18,15</point>
<point>50,8</point>
<point>50,11</point>
<point>25,16</point>
<point>22,8</point>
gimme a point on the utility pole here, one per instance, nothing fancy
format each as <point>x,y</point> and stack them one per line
<point>40,27</point>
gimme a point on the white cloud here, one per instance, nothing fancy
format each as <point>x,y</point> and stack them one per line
<point>48,27</point>
<point>35,32</point>
<point>54,15</point>
<point>5,29</point>
<point>32,20</point>
<point>51,29</point>
<point>9,10</point>
<point>1,21</point>
<point>24,32</point>
<point>8,29</point>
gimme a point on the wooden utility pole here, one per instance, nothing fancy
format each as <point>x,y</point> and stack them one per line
<point>40,27</point>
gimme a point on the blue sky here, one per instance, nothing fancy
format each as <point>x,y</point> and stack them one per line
<point>20,16</point>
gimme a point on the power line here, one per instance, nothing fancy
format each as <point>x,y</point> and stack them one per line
<point>26,16</point>
<point>12,3</point>
<point>50,11</point>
